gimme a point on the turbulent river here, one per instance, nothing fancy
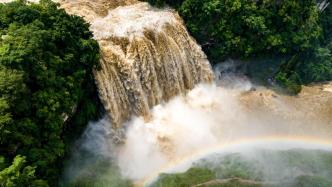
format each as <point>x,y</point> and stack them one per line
<point>167,108</point>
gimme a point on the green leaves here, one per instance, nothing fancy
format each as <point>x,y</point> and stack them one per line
<point>46,63</point>
<point>246,29</point>
<point>161,3</point>
<point>18,174</point>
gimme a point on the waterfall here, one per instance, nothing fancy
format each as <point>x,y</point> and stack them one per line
<point>147,56</point>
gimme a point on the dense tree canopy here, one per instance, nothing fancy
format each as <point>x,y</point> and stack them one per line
<point>47,92</point>
<point>161,3</point>
<point>297,31</point>
<point>18,174</point>
<point>244,28</point>
<point>312,65</point>
<point>46,63</point>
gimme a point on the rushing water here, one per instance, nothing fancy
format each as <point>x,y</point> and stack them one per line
<point>147,57</point>
<point>206,120</point>
<point>149,63</point>
<point>163,107</point>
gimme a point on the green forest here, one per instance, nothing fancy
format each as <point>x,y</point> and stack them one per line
<point>46,89</point>
<point>297,32</point>
<point>47,58</point>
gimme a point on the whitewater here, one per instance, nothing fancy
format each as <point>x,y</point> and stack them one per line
<point>166,107</point>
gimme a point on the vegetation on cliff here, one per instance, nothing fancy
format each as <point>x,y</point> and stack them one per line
<point>269,168</point>
<point>46,63</point>
<point>313,64</point>
<point>47,91</point>
<point>297,31</point>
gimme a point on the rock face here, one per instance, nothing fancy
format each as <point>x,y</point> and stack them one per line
<point>147,55</point>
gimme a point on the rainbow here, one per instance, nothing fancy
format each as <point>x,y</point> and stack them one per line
<point>275,142</point>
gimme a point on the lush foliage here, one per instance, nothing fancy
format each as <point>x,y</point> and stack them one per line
<point>18,174</point>
<point>161,3</point>
<point>313,65</point>
<point>326,22</point>
<point>243,28</point>
<point>190,178</point>
<point>46,63</point>
<point>297,31</point>
<point>99,173</point>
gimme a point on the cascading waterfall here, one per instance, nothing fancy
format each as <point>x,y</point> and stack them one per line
<point>147,57</point>
<point>208,119</point>
<point>91,10</point>
<point>150,61</point>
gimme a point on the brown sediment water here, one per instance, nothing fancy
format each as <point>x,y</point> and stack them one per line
<point>209,118</point>
<point>148,60</point>
<point>147,55</point>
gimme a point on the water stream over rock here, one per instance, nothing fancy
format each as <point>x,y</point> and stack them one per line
<point>147,56</point>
